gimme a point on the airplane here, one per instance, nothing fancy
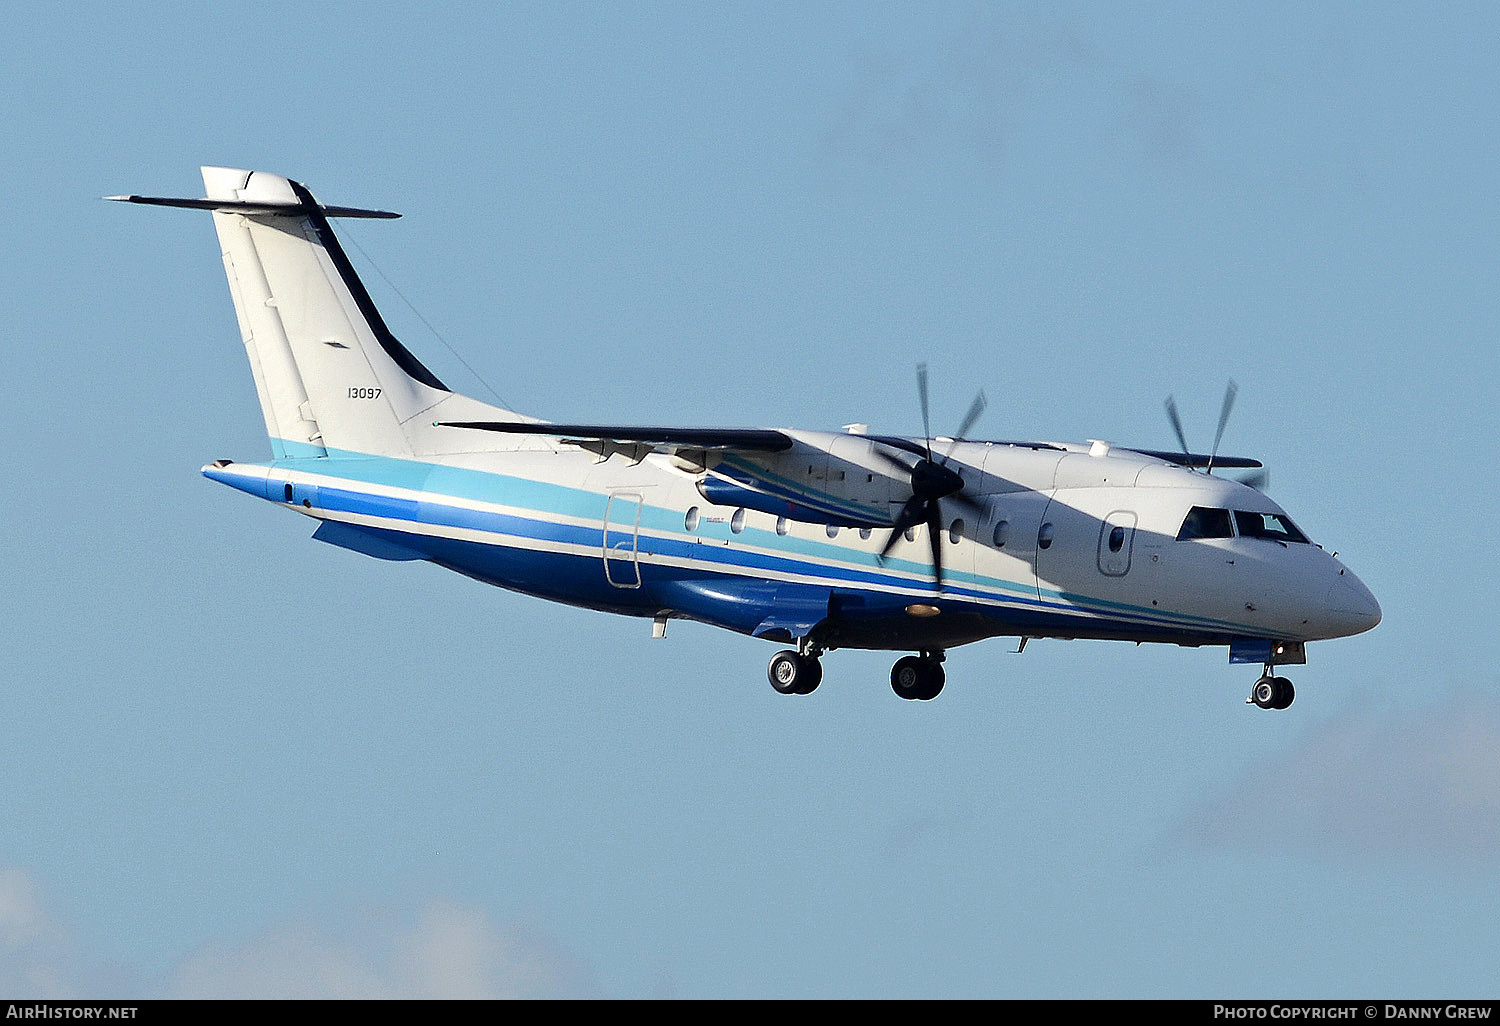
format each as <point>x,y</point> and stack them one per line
<point>814,540</point>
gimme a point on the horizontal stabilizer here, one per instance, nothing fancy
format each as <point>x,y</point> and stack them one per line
<point>252,206</point>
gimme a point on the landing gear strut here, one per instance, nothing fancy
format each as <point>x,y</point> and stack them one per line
<point>1272,692</point>
<point>918,678</point>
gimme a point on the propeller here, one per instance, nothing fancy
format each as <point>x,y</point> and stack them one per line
<point>1257,479</point>
<point>1230,391</point>
<point>1260,480</point>
<point>931,481</point>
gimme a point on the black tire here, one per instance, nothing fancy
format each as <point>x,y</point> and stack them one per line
<point>793,674</point>
<point>1285,693</point>
<point>812,675</point>
<point>912,677</point>
<point>936,678</point>
<point>1265,693</point>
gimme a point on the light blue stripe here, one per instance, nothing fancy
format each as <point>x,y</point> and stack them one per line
<point>797,556</point>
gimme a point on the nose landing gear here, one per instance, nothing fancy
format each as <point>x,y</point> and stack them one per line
<point>1271,692</point>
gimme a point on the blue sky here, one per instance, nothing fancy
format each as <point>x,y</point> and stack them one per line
<point>241,763</point>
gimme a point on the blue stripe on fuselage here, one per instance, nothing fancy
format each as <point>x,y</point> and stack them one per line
<point>575,575</point>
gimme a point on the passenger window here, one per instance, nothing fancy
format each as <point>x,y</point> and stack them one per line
<point>1205,522</point>
<point>737,522</point>
<point>1117,539</point>
<point>1044,536</point>
<point>1001,530</point>
<point>690,521</point>
<point>781,525</point>
<point>1273,526</point>
<point>956,532</point>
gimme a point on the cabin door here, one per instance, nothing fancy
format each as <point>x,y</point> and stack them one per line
<point>622,532</point>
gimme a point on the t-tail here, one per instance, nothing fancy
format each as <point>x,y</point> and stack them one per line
<point>332,379</point>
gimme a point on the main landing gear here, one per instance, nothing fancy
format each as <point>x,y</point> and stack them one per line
<point>916,678</point>
<point>796,673</point>
<point>1271,692</point>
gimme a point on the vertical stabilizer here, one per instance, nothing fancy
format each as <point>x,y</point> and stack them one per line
<point>329,373</point>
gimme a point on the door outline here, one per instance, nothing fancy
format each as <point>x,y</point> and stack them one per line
<point>621,539</point>
<point>1116,563</point>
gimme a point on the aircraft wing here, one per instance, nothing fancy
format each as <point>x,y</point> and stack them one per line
<point>668,439</point>
<point>1196,460</point>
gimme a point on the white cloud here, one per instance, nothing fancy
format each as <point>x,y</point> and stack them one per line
<point>447,951</point>
<point>444,950</point>
<point>1399,782</point>
<point>998,79</point>
<point>34,959</point>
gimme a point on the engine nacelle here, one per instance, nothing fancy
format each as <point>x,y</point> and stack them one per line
<point>736,486</point>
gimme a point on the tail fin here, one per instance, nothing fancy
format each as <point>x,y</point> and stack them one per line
<point>330,374</point>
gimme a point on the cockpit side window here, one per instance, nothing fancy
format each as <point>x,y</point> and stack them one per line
<point>1205,522</point>
<point>1273,526</point>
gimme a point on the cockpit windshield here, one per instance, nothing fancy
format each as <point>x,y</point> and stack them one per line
<point>1208,522</point>
<point>1204,522</point>
<point>1274,526</point>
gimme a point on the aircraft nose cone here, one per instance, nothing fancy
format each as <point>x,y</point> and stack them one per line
<point>1350,605</point>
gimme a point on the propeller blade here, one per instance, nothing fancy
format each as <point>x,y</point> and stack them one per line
<point>968,502</point>
<point>1229,393</point>
<point>894,463</point>
<point>975,409</point>
<point>1257,479</point>
<point>922,396</point>
<point>910,516</point>
<point>1177,427</point>
<point>935,539</point>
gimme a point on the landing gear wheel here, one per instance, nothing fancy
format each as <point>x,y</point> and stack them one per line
<point>1273,692</point>
<point>793,674</point>
<point>936,678</point>
<point>906,677</point>
<point>917,679</point>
